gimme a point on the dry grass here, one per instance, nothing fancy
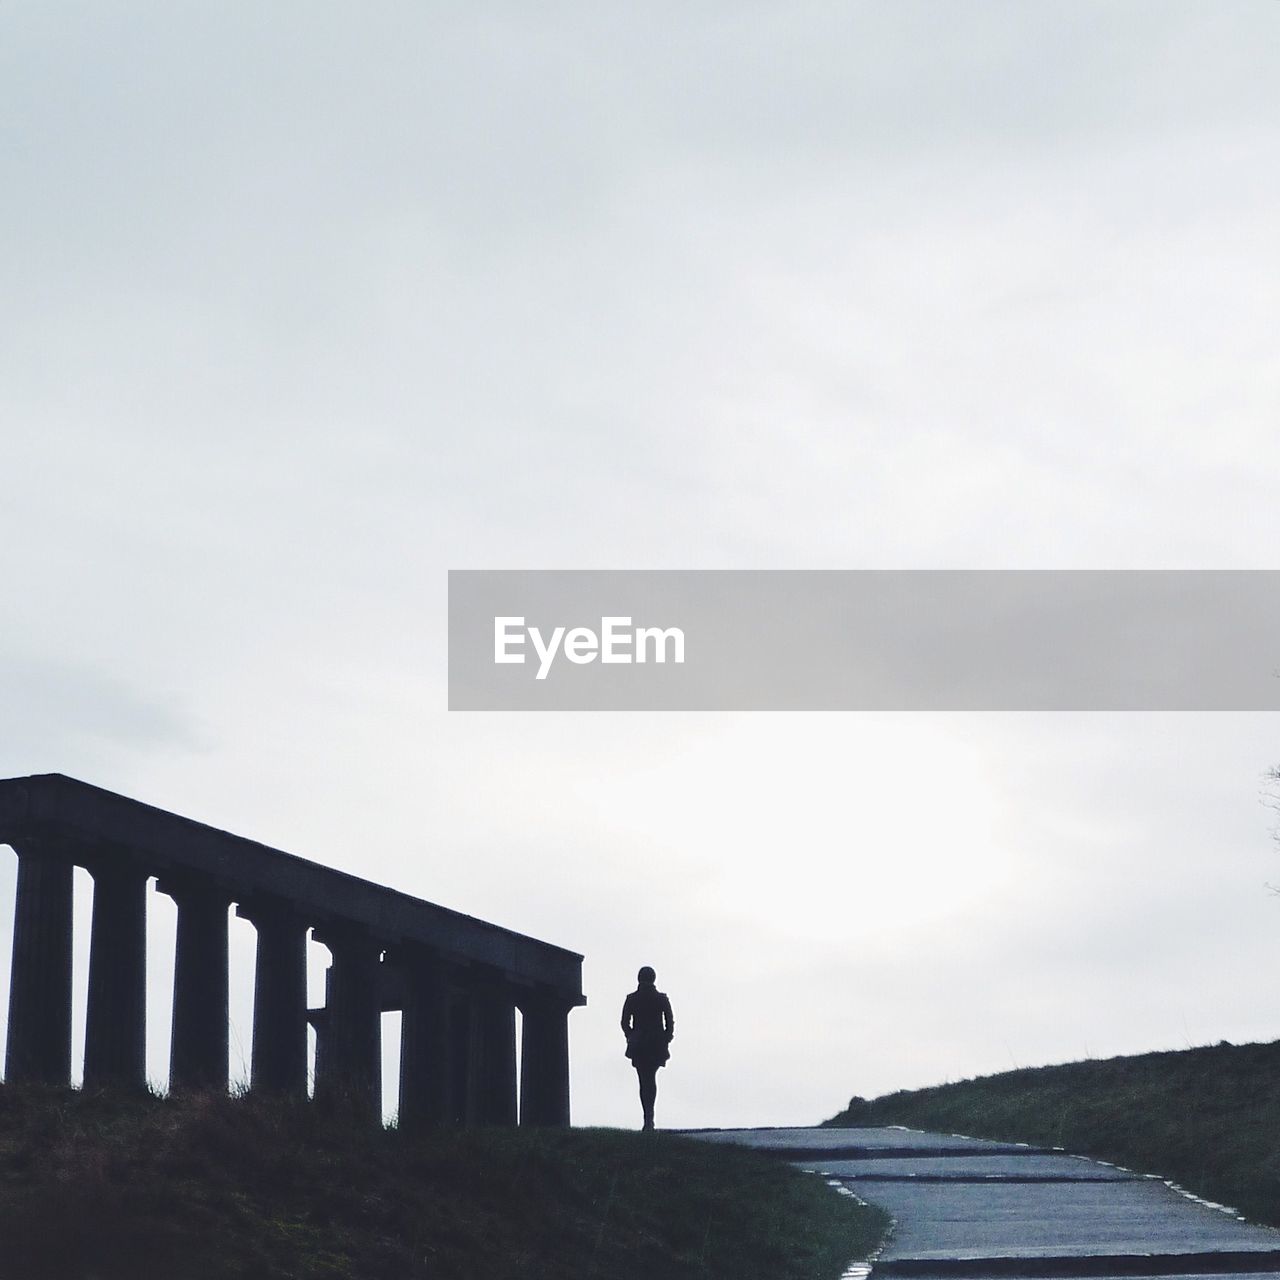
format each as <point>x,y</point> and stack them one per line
<point>209,1187</point>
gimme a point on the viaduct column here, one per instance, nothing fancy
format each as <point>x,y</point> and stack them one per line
<point>426,1049</point>
<point>198,1048</point>
<point>544,1060</point>
<point>464,1056</point>
<point>494,1011</point>
<point>116,1018</point>
<point>352,1059</point>
<point>279,999</point>
<point>40,984</point>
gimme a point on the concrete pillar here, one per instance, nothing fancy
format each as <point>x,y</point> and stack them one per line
<point>279,1000</point>
<point>198,1047</point>
<point>40,982</point>
<point>426,1056</point>
<point>352,1060</point>
<point>495,1012</point>
<point>464,1057</point>
<point>544,1060</point>
<point>115,1041</point>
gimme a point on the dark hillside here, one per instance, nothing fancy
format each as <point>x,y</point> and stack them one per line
<point>209,1188</point>
<point>1207,1118</point>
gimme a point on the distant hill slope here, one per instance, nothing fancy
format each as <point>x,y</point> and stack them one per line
<point>211,1187</point>
<point>1209,1118</point>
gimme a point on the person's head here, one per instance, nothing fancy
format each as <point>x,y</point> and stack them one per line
<point>646,977</point>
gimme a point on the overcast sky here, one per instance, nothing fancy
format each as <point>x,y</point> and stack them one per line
<point>305,304</point>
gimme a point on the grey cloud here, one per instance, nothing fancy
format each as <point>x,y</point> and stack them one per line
<point>306,304</point>
<point>54,713</point>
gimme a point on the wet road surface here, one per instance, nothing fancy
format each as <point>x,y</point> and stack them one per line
<point>963,1207</point>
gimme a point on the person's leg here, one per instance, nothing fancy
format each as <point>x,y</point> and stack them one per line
<point>648,1092</point>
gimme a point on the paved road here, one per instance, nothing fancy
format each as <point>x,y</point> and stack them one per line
<point>987,1210</point>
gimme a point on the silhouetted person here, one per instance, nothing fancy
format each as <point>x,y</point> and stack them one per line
<point>649,1026</point>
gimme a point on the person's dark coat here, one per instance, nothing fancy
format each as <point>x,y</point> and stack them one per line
<point>648,1024</point>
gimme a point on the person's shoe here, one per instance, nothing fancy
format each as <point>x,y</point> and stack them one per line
<point>648,1122</point>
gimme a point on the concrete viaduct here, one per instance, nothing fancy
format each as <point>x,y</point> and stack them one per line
<point>458,981</point>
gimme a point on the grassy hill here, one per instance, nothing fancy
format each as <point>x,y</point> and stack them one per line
<point>1207,1118</point>
<point>95,1187</point>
